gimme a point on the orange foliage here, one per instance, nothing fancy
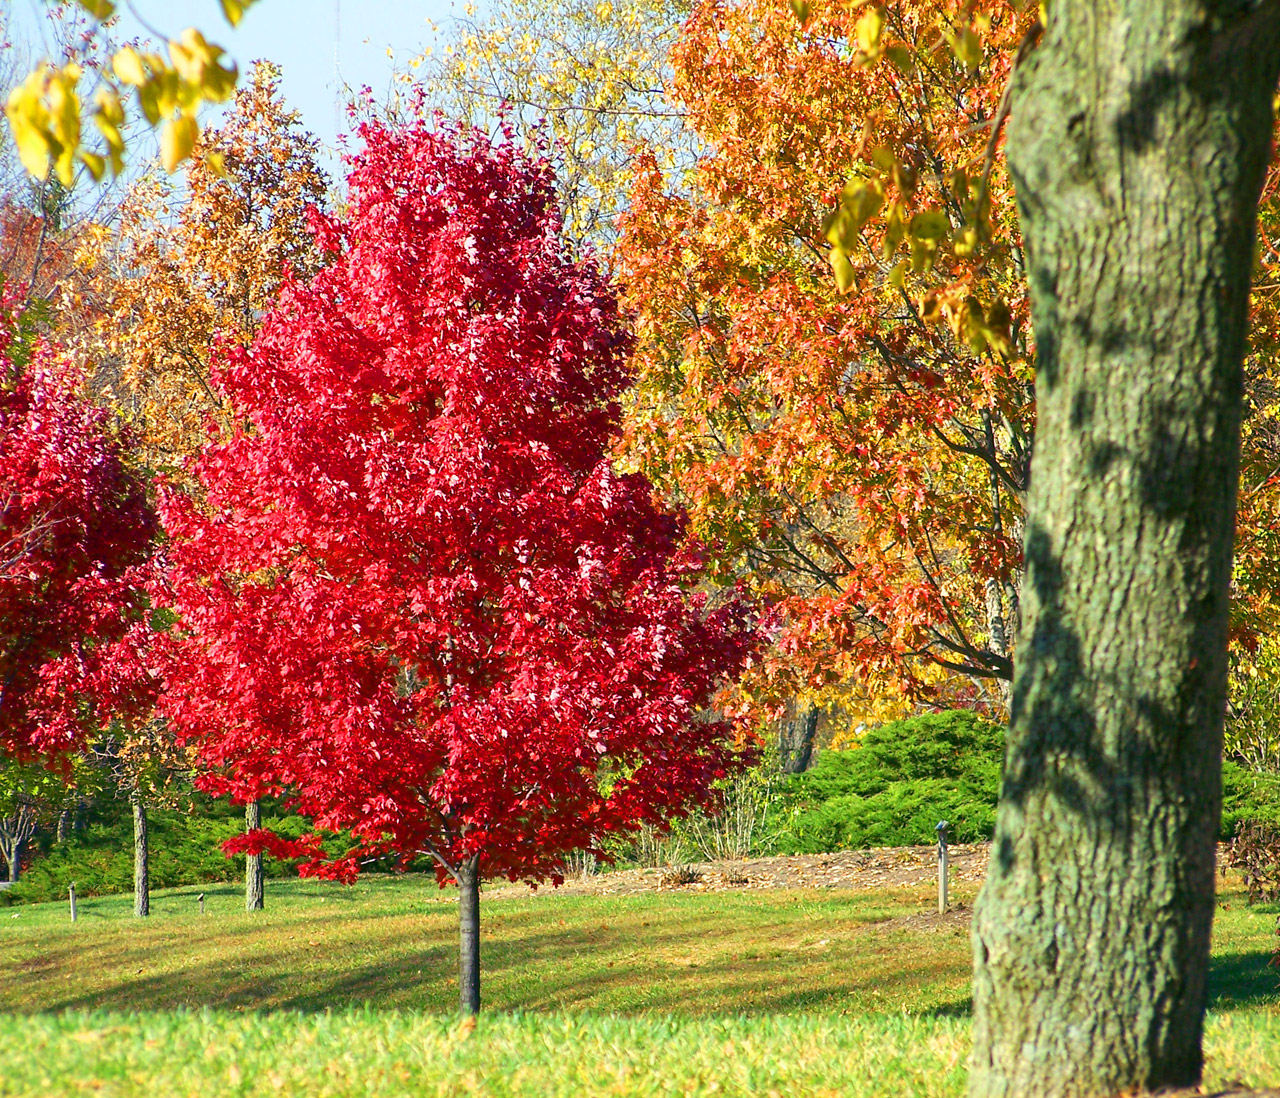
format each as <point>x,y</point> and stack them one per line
<point>860,456</point>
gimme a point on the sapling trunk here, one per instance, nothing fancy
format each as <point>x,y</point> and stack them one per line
<point>254,890</point>
<point>468,878</point>
<point>141,860</point>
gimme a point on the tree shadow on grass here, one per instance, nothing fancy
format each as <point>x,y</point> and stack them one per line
<point>1243,980</point>
<point>1236,981</point>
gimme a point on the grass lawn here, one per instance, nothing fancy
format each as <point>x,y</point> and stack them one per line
<point>350,991</point>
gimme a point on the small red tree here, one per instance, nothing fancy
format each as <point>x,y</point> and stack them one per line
<point>73,523</point>
<point>415,597</point>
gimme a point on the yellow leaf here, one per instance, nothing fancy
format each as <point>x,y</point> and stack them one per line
<point>97,165</point>
<point>800,9</point>
<point>930,225</point>
<point>177,139</point>
<point>902,58</point>
<point>967,48</point>
<point>233,10</point>
<point>99,9</point>
<point>127,66</point>
<point>843,269</point>
<point>967,242</point>
<point>868,30</point>
<point>29,121</point>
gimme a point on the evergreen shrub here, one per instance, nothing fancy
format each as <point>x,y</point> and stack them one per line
<point>897,783</point>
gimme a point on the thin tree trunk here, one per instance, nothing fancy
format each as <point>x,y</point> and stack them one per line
<point>254,889</point>
<point>64,825</point>
<point>1139,139</point>
<point>15,830</point>
<point>796,736</point>
<point>13,855</point>
<point>468,877</point>
<point>141,860</point>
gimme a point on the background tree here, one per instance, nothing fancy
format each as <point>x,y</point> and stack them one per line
<point>416,598</point>
<point>148,768</point>
<point>586,80</point>
<point>184,269</point>
<point>858,451</point>
<point>1138,169</point>
<point>73,523</point>
<point>26,791</point>
<point>187,268</point>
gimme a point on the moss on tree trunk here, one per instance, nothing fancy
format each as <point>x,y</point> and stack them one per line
<point>1139,138</point>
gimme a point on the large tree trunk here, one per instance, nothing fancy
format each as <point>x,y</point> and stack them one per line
<point>254,890</point>
<point>141,860</point>
<point>468,877</point>
<point>64,826</point>
<point>1139,139</point>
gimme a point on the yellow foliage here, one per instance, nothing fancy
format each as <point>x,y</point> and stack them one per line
<point>44,111</point>
<point>175,276</point>
<point>588,76</point>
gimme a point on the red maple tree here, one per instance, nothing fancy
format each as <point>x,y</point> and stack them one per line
<point>415,597</point>
<point>74,525</point>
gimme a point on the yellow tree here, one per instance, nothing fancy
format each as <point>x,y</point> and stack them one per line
<point>186,268</point>
<point>589,75</point>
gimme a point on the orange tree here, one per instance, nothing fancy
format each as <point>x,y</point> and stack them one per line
<point>856,440</point>
<point>835,371</point>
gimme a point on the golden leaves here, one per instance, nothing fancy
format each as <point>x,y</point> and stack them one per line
<point>44,115</point>
<point>169,280</point>
<point>45,110</point>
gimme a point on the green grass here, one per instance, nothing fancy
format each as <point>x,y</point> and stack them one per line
<point>349,991</point>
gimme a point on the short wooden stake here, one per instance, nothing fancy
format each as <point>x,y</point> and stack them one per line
<point>942,867</point>
<point>72,894</point>
<point>201,899</point>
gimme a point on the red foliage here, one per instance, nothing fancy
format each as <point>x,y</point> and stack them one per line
<point>73,524</point>
<point>415,597</point>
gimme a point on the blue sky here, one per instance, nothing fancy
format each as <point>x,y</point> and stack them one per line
<point>304,37</point>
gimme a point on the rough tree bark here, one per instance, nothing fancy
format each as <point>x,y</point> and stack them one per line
<point>141,860</point>
<point>64,826</point>
<point>254,887</point>
<point>1140,133</point>
<point>468,878</point>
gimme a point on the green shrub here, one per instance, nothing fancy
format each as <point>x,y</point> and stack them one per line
<point>1248,796</point>
<point>902,778</point>
<point>894,787</point>
<point>185,848</point>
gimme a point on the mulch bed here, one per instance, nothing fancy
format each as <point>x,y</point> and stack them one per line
<point>888,867</point>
